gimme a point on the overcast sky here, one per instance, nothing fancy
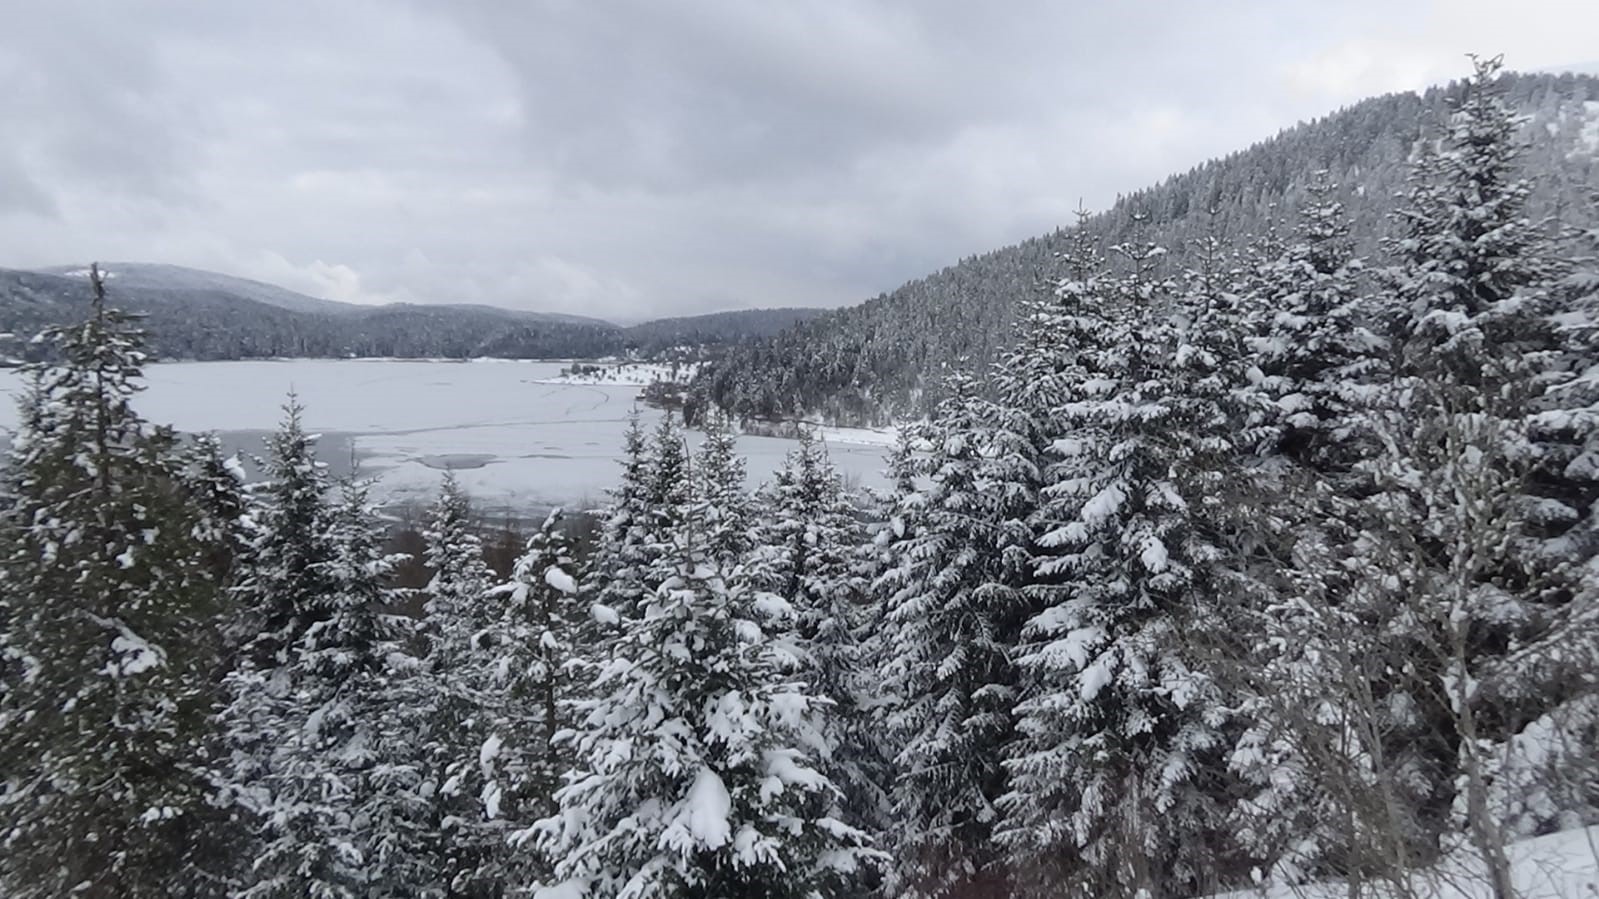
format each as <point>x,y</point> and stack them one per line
<point>632,159</point>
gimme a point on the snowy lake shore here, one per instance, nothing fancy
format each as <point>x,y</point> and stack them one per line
<point>517,435</point>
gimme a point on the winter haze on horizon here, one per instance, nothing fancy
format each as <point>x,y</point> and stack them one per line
<point>631,160</point>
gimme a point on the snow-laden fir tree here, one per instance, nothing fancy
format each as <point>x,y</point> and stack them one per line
<point>219,483</point>
<point>809,540</point>
<point>115,573</point>
<point>700,759</point>
<point>1318,357</point>
<point>646,509</point>
<point>719,482</point>
<point>1055,365</point>
<point>340,791</point>
<point>896,513</point>
<point>1298,753</point>
<point>540,664</point>
<point>622,553</point>
<point>283,585</point>
<point>1113,786</point>
<point>361,656</point>
<point>1472,499</point>
<point>452,699</point>
<point>952,622</point>
<point>669,481</point>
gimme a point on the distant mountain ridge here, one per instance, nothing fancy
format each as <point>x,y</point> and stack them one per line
<point>196,314</point>
<point>161,276</point>
<point>881,361</point>
<point>148,275</point>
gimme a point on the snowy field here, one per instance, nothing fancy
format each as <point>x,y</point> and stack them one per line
<point>1558,866</point>
<point>516,438</point>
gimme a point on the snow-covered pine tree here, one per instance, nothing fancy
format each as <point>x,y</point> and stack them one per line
<point>1456,540</point>
<point>1068,334</point>
<point>219,484</point>
<point>1318,358</point>
<point>341,792</point>
<point>1298,757</point>
<point>809,543</point>
<point>953,619</point>
<point>541,664</point>
<point>670,483</point>
<point>1469,287</point>
<point>451,701</point>
<point>622,554</point>
<point>1126,721</point>
<point>1057,366</point>
<point>114,580</point>
<point>284,583</point>
<point>646,511</point>
<point>1566,431</point>
<point>896,514</point>
<point>719,474</point>
<point>700,761</point>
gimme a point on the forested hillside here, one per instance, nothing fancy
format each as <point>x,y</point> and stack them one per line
<point>881,361</point>
<point>203,316</point>
<point>715,329</point>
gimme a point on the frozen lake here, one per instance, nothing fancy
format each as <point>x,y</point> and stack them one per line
<point>516,442</point>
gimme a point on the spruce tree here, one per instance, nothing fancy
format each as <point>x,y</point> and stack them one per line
<point>283,585</point>
<point>340,790</point>
<point>114,575</point>
<point>719,474</point>
<point>451,700</point>
<point>699,761</point>
<point>809,541</point>
<point>1125,721</point>
<point>621,554</point>
<point>669,482</point>
<point>1317,356</point>
<point>1476,350</point>
<point>953,619</point>
<point>541,665</point>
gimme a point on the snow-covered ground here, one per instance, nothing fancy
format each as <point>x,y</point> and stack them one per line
<point>1558,866</point>
<point>515,435</point>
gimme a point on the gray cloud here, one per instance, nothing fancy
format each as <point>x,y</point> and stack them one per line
<point>636,158</point>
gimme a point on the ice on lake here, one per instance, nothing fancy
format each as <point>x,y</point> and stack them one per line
<point>513,439</point>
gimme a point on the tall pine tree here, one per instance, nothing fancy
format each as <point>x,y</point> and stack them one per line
<point>114,572</point>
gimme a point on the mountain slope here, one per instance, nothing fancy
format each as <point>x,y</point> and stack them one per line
<point>880,361</point>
